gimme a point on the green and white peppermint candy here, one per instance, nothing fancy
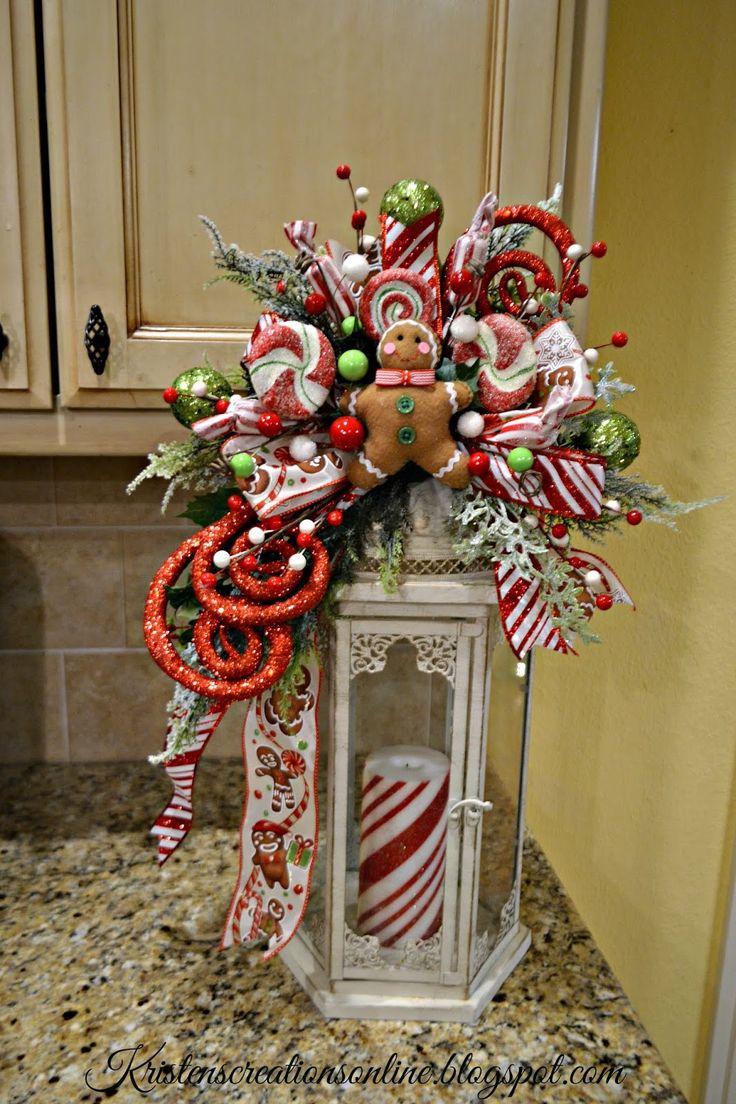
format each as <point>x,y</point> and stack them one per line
<point>292,368</point>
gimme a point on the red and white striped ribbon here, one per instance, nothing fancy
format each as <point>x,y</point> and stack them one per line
<point>470,252</point>
<point>610,582</point>
<point>525,617</point>
<point>403,841</point>
<point>240,417</point>
<point>267,885</point>
<point>563,481</point>
<point>174,823</point>
<point>301,234</point>
<point>324,274</point>
<point>535,427</point>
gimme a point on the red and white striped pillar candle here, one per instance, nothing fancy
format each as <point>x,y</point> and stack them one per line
<point>403,842</point>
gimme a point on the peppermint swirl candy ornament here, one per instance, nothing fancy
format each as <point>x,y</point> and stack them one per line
<point>507,366</point>
<point>394,296</point>
<point>292,368</point>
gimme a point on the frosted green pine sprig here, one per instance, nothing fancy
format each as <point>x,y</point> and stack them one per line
<point>608,388</point>
<point>261,273</point>
<point>194,465</point>
<point>185,709</point>
<point>653,501</point>
<point>490,529</point>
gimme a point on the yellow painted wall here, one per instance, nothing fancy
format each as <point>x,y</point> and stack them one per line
<point>633,754</point>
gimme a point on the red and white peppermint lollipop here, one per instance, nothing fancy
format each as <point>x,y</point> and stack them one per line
<point>393,296</point>
<point>292,367</point>
<point>507,369</point>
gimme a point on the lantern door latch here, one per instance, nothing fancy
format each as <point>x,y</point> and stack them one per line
<point>474,809</point>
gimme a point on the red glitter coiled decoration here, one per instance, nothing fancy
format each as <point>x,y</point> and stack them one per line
<point>511,261</point>
<point>276,586</point>
<point>236,674</point>
<point>241,613</point>
<point>160,645</point>
<point>237,664</point>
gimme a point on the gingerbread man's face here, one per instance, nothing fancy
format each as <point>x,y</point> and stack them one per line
<point>276,909</point>
<point>408,345</point>
<point>267,844</point>
<point>268,758</point>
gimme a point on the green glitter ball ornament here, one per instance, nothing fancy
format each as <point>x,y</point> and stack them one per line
<point>611,435</point>
<point>189,408</point>
<point>409,200</point>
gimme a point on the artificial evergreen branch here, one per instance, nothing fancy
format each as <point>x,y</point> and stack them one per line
<point>260,274</point>
<point>653,501</point>
<point>493,531</point>
<point>381,519</point>
<point>608,388</point>
<point>193,464</point>
<point>185,709</point>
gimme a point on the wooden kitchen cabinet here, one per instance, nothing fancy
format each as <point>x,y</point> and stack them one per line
<point>25,367</point>
<point>160,110</point>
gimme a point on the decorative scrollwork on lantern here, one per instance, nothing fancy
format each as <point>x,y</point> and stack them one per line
<point>509,915</point>
<point>364,952</point>
<point>448,566</point>
<point>481,951</point>
<point>423,954</point>
<point>435,654</point>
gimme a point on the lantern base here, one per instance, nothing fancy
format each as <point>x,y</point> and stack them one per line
<point>358,999</point>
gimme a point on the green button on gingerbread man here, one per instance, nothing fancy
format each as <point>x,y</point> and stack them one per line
<point>407,412</point>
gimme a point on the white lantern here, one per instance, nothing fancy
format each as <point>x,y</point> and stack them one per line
<point>414,910</point>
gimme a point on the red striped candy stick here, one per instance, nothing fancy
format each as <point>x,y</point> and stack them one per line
<point>403,841</point>
<point>415,248</point>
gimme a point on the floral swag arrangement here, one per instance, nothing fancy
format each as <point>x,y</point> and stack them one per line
<point>371,369</point>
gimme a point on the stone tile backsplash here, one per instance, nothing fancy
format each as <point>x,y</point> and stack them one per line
<point>76,556</point>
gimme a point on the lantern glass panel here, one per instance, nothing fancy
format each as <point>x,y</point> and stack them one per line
<point>315,919</point>
<point>393,703</point>
<point>501,827</point>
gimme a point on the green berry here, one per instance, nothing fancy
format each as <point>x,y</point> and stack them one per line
<point>243,465</point>
<point>349,325</point>
<point>352,364</point>
<point>520,459</point>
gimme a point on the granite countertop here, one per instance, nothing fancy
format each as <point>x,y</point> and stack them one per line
<point>103,952</point>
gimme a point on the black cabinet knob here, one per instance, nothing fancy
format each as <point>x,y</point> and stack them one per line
<point>97,339</point>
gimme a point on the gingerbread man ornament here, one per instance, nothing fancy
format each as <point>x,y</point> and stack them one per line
<point>407,411</point>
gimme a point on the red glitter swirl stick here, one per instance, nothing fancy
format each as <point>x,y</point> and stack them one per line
<point>510,265</point>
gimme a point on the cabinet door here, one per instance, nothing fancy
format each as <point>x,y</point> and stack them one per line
<point>160,110</point>
<point>25,369</point>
